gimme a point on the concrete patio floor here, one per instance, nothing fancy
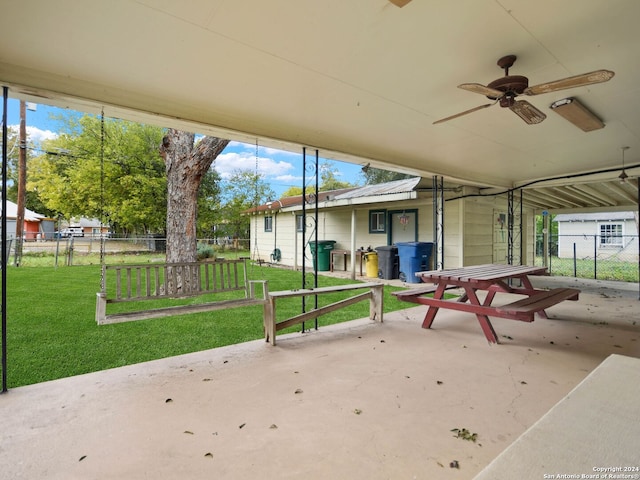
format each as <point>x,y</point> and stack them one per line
<point>360,400</point>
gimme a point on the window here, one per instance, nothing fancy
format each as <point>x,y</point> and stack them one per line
<point>268,224</point>
<point>610,234</point>
<point>377,221</point>
<point>299,224</point>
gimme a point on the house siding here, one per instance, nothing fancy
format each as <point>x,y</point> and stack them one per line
<point>584,234</point>
<point>469,230</point>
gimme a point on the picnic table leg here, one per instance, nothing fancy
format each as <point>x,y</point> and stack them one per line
<point>487,328</point>
<point>431,312</point>
<point>485,324</point>
<point>428,318</point>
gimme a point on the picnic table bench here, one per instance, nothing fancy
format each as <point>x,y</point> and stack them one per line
<point>493,279</point>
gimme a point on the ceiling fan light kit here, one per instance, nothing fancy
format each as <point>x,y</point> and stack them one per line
<point>575,112</point>
<point>504,90</point>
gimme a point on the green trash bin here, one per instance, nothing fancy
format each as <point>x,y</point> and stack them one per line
<point>322,254</point>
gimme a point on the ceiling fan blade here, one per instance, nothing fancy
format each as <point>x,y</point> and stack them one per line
<point>527,112</point>
<point>481,89</point>
<point>400,3</point>
<point>590,78</point>
<point>466,112</point>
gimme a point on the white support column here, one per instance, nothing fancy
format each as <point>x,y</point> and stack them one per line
<point>353,244</point>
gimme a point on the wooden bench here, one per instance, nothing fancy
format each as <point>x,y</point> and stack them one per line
<point>525,309</point>
<point>152,282</point>
<point>374,295</point>
<point>407,295</point>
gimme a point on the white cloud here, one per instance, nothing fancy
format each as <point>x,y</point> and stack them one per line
<point>228,163</point>
<point>288,179</point>
<point>37,135</point>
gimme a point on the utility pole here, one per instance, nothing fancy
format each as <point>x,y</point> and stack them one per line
<point>22,184</point>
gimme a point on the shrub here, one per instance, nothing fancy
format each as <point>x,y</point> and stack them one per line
<point>205,251</point>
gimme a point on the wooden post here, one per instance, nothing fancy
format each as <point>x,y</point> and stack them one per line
<point>101,307</point>
<point>376,303</point>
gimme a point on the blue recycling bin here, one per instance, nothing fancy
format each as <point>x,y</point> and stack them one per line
<point>414,257</point>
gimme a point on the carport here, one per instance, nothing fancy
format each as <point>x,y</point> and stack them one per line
<point>360,81</point>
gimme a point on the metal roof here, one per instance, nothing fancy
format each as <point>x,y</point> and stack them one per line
<point>388,188</point>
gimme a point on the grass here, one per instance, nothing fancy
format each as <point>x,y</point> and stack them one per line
<point>614,270</point>
<point>51,329</point>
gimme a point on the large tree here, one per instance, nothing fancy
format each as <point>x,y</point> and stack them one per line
<point>122,158</point>
<point>243,190</point>
<point>373,176</point>
<point>328,181</point>
<point>186,164</point>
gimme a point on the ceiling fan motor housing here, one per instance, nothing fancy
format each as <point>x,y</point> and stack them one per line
<point>515,84</point>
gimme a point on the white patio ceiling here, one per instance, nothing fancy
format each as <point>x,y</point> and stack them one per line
<point>361,80</point>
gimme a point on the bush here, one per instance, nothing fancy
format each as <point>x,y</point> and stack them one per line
<point>205,251</point>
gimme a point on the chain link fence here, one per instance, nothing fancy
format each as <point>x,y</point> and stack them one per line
<point>85,250</point>
<point>601,257</point>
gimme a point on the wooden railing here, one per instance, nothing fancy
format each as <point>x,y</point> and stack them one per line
<point>271,325</point>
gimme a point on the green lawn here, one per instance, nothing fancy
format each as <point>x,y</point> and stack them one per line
<point>51,329</point>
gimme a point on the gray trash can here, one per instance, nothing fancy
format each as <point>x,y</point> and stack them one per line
<point>388,267</point>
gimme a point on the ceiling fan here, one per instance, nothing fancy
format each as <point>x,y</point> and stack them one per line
<point>505,90</point>
<point>400,3</point>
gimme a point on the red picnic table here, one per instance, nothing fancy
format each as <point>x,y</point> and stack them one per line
<point>492,279</point>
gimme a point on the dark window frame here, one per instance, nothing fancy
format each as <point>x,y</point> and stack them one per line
<point>375,224</point>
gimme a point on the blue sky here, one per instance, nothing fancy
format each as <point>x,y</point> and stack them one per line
<point>280,169</point>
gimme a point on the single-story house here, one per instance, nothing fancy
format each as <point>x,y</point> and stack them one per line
<point>474,227</point>
<point>91,227</point>
<point>602,235</point>
<point>36,226</point>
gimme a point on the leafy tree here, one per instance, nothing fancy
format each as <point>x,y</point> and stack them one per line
<point>129,186</point>
<point>328,181</point>
<point>373,176</point>
<point>328,178</point>
<point>292,192</point>
<point>243,190</point>
<point>209,206</point>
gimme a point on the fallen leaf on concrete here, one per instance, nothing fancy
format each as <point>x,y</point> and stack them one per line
<point>298,391</point>
<point>82,458</point>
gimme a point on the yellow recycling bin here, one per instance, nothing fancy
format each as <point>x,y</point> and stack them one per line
<point>371,259</point>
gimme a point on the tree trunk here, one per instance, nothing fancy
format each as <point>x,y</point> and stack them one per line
<point>185,165</point>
